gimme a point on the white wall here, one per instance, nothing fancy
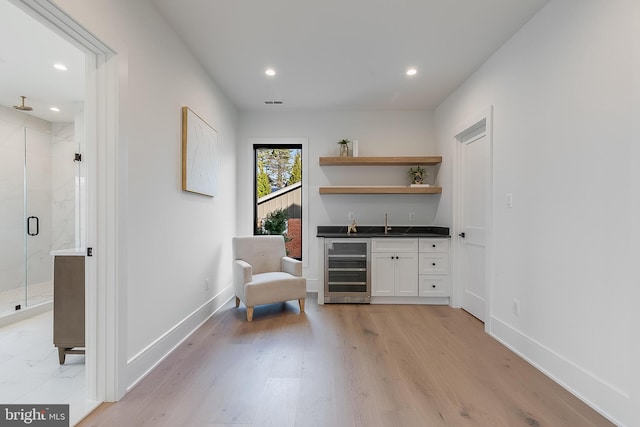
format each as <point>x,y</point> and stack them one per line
<point>380,133</point>
<point>174,240</point>
<point>565,146</point>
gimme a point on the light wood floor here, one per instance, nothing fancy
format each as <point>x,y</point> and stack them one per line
<point>345,365</point>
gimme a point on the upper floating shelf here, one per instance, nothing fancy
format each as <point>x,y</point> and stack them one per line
<point>380,161</point>
<point>379,189</point>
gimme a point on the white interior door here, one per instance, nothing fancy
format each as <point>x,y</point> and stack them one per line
<point>475,190</point>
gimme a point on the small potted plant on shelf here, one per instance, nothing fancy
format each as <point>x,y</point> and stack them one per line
<point>417,175</point>
<point>344,147</point>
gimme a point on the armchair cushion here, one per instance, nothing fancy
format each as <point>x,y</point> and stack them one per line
<point>263,274</point>
<point>266,288</point>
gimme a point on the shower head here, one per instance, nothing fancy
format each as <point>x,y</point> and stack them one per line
<point>22,107</point>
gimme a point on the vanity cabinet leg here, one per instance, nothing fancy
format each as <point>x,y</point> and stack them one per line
<point>61,355</point>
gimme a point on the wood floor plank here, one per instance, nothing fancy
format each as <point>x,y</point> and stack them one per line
<point>278,406</point>
<point>345,365</point>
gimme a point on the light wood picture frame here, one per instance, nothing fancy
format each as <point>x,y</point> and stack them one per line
<point>199,155</point>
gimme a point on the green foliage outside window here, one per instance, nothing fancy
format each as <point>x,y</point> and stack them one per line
<point>275,223</point>
<point>264,185</point>
<point>277,168</point>
<point>296,170</point>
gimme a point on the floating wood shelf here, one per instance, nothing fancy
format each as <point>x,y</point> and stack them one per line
<point>381,161</point>
<point>390,189</point>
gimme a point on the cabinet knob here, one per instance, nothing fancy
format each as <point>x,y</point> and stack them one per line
<point>433,246</point>
<point>433,286</point>
<point>433,263</point>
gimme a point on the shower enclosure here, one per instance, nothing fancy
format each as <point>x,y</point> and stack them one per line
<point>40,192</point>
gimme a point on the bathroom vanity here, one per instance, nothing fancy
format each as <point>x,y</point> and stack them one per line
<point>68,302</point>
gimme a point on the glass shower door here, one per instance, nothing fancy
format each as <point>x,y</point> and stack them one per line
<point>38,211</point>
<point>28,189</point>
<point>12,218</point>
<point>40,194</point>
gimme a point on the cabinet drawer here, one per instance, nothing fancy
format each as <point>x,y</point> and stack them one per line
<point>394,245</point>
<point>434,285</point>
<point>434,245</point>
<point>434,263</point>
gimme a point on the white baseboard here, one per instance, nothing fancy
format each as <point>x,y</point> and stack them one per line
<point>145,361</point>
<point>312,285</point>
<point>410,300</point>
<point>583,384</point>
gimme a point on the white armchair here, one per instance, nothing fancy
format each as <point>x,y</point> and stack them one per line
<point>263,274</point>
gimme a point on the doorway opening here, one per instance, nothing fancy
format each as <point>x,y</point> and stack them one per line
<point>43,153</point>
<point>277,195</point>
<point>39,174</point>
<point>98,170</point>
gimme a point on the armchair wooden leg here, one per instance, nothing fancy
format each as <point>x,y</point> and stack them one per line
<point>237,302</point>
<point>249,314</point>
<point>301,303</point>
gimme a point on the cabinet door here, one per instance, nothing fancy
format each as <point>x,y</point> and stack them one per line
<point>382,274</point>
<point>68,301</point>
<point>406,274</point>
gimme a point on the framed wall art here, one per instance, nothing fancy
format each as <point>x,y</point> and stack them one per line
<point>199,155</point>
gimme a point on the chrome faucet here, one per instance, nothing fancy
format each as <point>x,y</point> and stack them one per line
<point>386,224</point>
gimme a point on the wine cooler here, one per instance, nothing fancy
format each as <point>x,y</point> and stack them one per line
<point>347,276</point>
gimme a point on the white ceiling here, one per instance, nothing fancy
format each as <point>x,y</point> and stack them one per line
<point>329,54</point>
<point>28,51</point>
<point>344,54</point>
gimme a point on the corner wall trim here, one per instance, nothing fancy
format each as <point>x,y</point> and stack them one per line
<point>140,365</point>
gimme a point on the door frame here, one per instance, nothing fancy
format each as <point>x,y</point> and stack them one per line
<point>461,135</point>
<point>105,313</point>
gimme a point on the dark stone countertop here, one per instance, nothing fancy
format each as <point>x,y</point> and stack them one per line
<point>365,231</point>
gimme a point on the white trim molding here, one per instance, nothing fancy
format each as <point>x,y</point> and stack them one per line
<point>563,371</point>
<point>304,142</point>
<point>140,365</point>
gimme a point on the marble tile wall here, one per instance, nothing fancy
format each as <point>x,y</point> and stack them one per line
<point>63,186</point>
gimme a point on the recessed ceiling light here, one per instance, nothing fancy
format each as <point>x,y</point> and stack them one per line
<point>270,72</point>
<point>412,72</point>
<point>60,67</point>
<point>56,109</point>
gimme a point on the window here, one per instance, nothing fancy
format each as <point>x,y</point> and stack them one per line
<point>278,193</point>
